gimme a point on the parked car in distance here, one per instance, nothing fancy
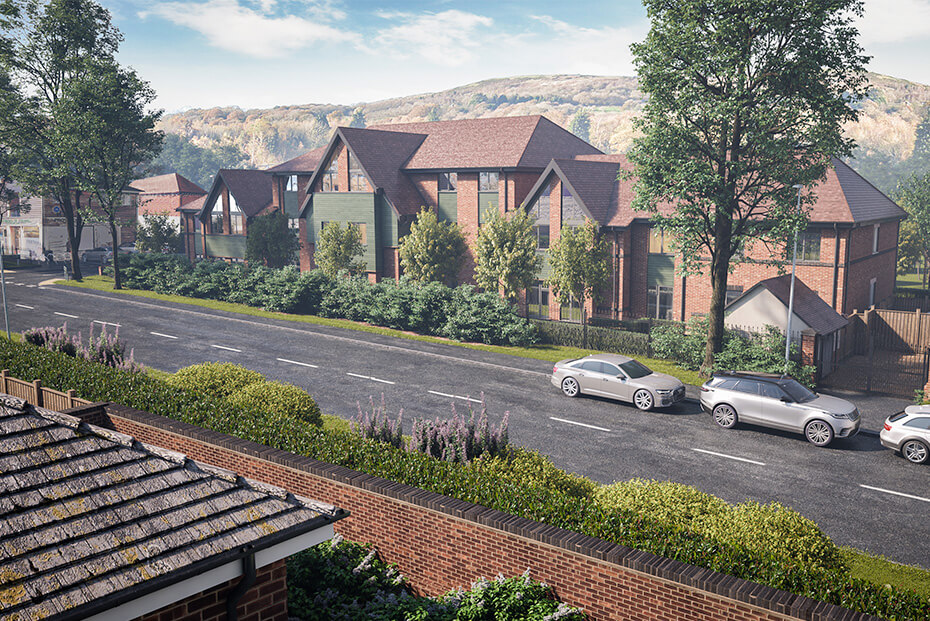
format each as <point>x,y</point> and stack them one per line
<point>909,433</point>
<point>779,402</point>
<point>127,248</point>
<point>617,377</point>
<point>100,255</point>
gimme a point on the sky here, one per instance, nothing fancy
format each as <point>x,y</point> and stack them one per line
<point>264,53</point>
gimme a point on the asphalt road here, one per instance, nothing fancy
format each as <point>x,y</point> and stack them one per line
<point>861,494</point>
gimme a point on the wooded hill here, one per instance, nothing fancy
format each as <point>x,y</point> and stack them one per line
<point>885,132</point>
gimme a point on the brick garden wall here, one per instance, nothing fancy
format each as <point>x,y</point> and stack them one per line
<point>265,601</point>
<point>440,543</point>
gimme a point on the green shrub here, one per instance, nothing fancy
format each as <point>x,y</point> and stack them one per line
<point>770,530</point>
<point>277,398</point>
<point>599,338</point>
<point>548,505</point>
<point>217,379</point>
<point>525,467</point>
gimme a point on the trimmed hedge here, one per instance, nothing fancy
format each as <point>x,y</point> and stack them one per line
<point>601,339</point>
<point>466,482</point>
<point>219,379</point>
<point>277,398</point>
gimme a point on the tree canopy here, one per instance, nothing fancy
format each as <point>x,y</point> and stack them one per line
<point>337,249</point>
<point>745,100</point>
<point>196,163</point>
<point>505,253</point>
<point>271,242</point>
<point>914,196</point>
<point>579,264</point>
<point>433,250</point>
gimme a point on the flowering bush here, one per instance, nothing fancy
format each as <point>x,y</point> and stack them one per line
<point>375,424</point>
<point>107,349</point>
<point>458,440</point>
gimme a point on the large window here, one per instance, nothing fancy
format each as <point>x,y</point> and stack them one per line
<point>659,302</point>
<point>571,211</point>
<point>570,311</point>
<point>216,220</point>
<point>357,181</point>
<point>291,184</point>
<point>330,181</point>
<point>537,301</point>
<point>539,211</point>
<point>660,242</point>
<point>236,219</point>
<point>487,181</point>
<point>448,182</point>
<point>809,246</point>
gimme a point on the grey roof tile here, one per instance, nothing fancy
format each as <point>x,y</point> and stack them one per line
<point>86,515</point>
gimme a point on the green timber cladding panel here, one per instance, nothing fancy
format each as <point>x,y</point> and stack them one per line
<point>449,206</point>
<point>486,200</point>
<point>388,233</point>
<point>660,270</point>
<point>345,207</point>
<point>227,246</point>
<point>291,207</point>
<point>198,243</point>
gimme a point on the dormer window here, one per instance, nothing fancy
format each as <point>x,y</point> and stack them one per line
<point>357,181</point>
<point>330,181</point>
<point>448,182</point>
<point>487,181</point>
<point>291,184</point>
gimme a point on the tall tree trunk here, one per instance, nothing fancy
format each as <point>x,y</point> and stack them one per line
<point>719,272</point>
<point>117,283</point>
<point>74,227</point>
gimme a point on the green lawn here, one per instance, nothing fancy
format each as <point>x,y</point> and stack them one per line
<point>910,281</point>
<point>549,353</point>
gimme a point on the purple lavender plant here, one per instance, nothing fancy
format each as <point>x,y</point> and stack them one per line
<point>375,424</point>
<point>458,440</point>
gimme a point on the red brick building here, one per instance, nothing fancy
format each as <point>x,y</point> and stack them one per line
<point>847,255</point>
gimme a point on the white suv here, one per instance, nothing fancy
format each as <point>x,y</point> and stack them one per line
<point>779,402</point>
<point>909,433</point>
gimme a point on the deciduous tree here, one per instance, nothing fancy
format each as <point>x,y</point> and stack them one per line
<point>271,242</point>
<point>744,100</point>
<point>103,124</point>
<point>505,253</point>
<point>914,196</point>
<point>337,249</point>
<point>157,233</point>
<point>433,250</point>
<point>579,265</point>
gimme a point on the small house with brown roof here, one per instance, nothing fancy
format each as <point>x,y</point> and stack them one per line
<point>380,177</point>
<point>96,525</point>
<point>166,194</point>
<point>847,254</point>
<point>235,197</point>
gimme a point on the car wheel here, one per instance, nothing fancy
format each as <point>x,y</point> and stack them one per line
<point>915,451</point>
<point>643,400</point>
<point>818,433</point>
<point>570,387</point>
<point>725,416</point>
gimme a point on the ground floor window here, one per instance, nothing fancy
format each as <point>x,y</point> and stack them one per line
<point>659,302</point>
<point>537,301</point>
<point>570,311</point>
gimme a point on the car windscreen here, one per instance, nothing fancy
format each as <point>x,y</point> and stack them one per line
<point>796,391</point>
<point>635,369</point>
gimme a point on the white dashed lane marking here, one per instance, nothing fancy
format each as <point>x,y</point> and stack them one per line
<point>369,377</point>
<point>166,336</point>
<point>300,364</point>
<point>571,422</point>
<point>442,394</point>
<point>725,456</point>
<point>893,493</point>
<point>24,306</point>
<point>67,315</point>
<point>106,323</point>
<point>238,351</point>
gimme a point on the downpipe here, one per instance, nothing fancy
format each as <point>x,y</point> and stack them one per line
<point>248,579</point>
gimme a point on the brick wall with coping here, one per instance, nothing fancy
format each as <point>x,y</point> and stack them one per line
<point>265,601</point>
<point>441,543</point>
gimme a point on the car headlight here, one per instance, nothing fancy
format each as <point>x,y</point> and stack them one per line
<point>663,392</point>
<point>838,414</point>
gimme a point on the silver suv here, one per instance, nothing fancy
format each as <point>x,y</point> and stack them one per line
<point>779,402</point>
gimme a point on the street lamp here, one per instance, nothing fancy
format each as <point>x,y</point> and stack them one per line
<point>794,262</point>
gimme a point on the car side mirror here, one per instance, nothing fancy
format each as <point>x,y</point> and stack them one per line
<point>622,378</point>
<point>786,400</point>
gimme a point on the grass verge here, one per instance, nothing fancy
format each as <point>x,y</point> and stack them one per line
<point>548,353</point>
<point>881,571</point>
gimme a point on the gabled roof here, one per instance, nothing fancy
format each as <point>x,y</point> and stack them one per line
<point>502,142</point>
<point>193,206</point>
<point>91,519</point>
<point>845,197</point>
<point>172,183</point>
<point>251,189</point>
<point>808,306</point>
<point>304,163</point>
<point>381,154</point>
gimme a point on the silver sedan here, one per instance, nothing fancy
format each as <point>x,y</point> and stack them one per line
<point>617,377</point>
<point>909,433</point>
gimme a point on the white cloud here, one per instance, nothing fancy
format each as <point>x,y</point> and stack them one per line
<point>228,25</point>
<point>893,21</point>
<point>449,38</point>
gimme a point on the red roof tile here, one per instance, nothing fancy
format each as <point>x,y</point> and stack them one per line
<point>172,183</point>
<point>502,142</point>
<point>250,188</point>
<point>304,163</point>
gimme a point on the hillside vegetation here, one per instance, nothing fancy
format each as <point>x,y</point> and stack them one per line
<point>885,132</point>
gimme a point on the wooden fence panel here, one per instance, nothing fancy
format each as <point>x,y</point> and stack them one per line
<point>34,393</point>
